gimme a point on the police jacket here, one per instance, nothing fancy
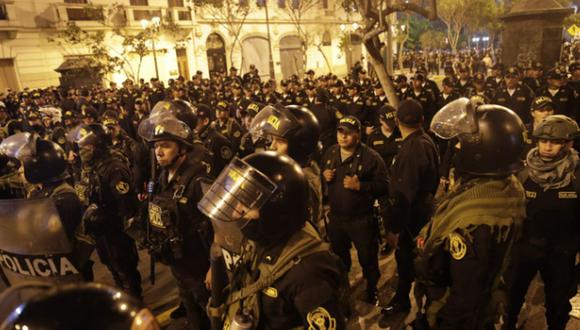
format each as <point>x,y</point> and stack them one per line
<point>413,179</point>
<point>370,169</point>
<point>386,146</point>
<point>219,147</point>
<point>519,102</point>
<point>299,294</point>
<point>463,252</point>
<point>563,100</point>
<point>173,216</point>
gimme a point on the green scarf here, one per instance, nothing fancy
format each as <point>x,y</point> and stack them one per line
<point>498,203</point>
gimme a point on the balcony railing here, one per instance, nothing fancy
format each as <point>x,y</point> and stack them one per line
<point>88,15</point>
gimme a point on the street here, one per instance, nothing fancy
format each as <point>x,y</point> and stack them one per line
<point>163,297</point>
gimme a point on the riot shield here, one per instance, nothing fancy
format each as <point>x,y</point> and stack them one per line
<point>33,243</point>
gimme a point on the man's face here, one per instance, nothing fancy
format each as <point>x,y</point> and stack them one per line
<point>417,83</point>
<point>550,148</point>
<point>311,92</point>
<point>352,92</point>
<point>511,82</point>
<point>555,83</point>
<point>464,75</point>
<point>540,114</point>
<point>347,139</point>
<point>166,151</point>
<point>221,114</point>
<point>447,89</point>
<point>379,92</point>
<point>279,145</point>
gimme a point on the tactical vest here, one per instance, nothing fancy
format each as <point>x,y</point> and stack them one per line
<point>165,236</point>
<point>552,215</point>
<point>246,301</point>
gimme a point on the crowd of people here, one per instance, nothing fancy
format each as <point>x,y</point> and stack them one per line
<point>473,185</point>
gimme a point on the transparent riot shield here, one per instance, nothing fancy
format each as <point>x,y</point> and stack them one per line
<point>33,243</point>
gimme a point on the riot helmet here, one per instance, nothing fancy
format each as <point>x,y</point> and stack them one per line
<point>96,135</point>
<point>295,124</point>
<point>74,306</point>
<point>491,137</point>
<point>266,181</point>
<point>43,160</point>
<point>155,129</point>
<point>186,113</point>
<point>557,127</point>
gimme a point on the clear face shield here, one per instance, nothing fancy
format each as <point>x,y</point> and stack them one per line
<point>238,190</point>
<point>82,136</point>
<point>270,121</point>
<point>20,146</point>
<point>455,118</point>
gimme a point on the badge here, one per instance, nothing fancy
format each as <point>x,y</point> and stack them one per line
<point>379,142</point>
<point>270,292</point>
<point>320,319</point>
<point>237,134</point>
<point>457,246</point>
<point>122,187</point>
<point>531,194</point>
<point>226,152</point>
<point>155,218</point>
<point>567,195</point>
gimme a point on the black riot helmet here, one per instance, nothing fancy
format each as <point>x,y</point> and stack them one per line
<point>270,182</point>
<point>43,160</point>
<point>89,306</point>
<point>179,109</point>
<point>491,137</point>
<point>294,123</point>
<point>92,134</point>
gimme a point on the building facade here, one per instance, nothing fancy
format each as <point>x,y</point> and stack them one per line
<point>201,38</point>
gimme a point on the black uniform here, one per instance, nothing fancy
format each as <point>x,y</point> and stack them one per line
<point>181,235</point>
<point>108,183</point>
<point>563,100</point>
<point>519,101</point>
<point>549,243</point>
<point>219,147</point>
<point>358,108</point>
<point>428,101</point>
<point>414,178</point>
<point>326,116</point>
<point>533,83</point>
<point>232,130</point>
<point>351,212</point>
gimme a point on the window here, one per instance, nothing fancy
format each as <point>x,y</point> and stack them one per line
<point>75,1</point>
<point>282,4</point>
<point>325,4</point>
<point>295,4</point>
<point>139,2</point>
<point>175,3</point>
<point>3,13</point>
<point>260,3</point>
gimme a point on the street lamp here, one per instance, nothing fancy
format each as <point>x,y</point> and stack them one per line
<point>154,26</point>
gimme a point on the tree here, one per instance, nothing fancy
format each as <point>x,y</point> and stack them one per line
<point>374,14</point>
<point>456,16</point>
<point>432,39</point>
<point>296,10</point>
<point>231,15</point>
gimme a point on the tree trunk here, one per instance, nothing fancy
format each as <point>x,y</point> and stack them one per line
<point>326,61</point>
<point>386,82</point>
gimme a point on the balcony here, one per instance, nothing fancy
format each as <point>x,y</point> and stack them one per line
<point>130,16</point>
<point>8,19</point>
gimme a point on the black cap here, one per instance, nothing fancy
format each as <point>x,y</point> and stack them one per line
<point>350,124</point>
<point>449,69</point>
<point>203,111</point>
<point>388,113</point>
<point>542,102</point>
<point>310,72</point>
<point>410,112</point>
<point>536,66</point>
<point>498,66</point>
<point>419,76</point>
<point>353,86</point>
<point>448,82</point>
<point>222,106</point>
<point>555,73</point>
<point>233,68</point>
<point>513,71</point>
<point>479,78</point>
<point>401,78</point>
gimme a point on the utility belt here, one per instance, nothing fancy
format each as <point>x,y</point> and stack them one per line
<point>163,238</point>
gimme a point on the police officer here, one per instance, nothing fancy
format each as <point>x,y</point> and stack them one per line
<point>226,125</point>
<point>294,131</point>
<point>179,234</point>
<point>550,231</point>
<point>533,76</point>
<point>107,182</point>
<point>514,95</point>
<point>563,98</point>
<point>462,251</point>
<point>542,107</point>
<point>426,98</point>
<point>219,147</point>
<point>356,176</point>
<point>88,306</point>
<point>495,80</point>
<point>386,138</point>
<point>449,93</point>
<point>288,277</point>
<point>413,181</point>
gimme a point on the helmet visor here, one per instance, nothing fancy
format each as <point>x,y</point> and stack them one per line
<point>82,136</point>
<point>271,121</point>
<point>160,127</point>
<point>20,145</point>
<point>455,118</point>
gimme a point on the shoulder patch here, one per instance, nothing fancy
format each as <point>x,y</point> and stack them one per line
<point>122,187</point>
<point>378,142</point>
<point>237,134</point>
<point>457,246</point>
<point>270,292</point>
<point>226,152</point>
<point>320,319</point>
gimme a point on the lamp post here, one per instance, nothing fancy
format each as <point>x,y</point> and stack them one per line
<point>154,26</point>
<point>270,58</point>
<point>476,40</point>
